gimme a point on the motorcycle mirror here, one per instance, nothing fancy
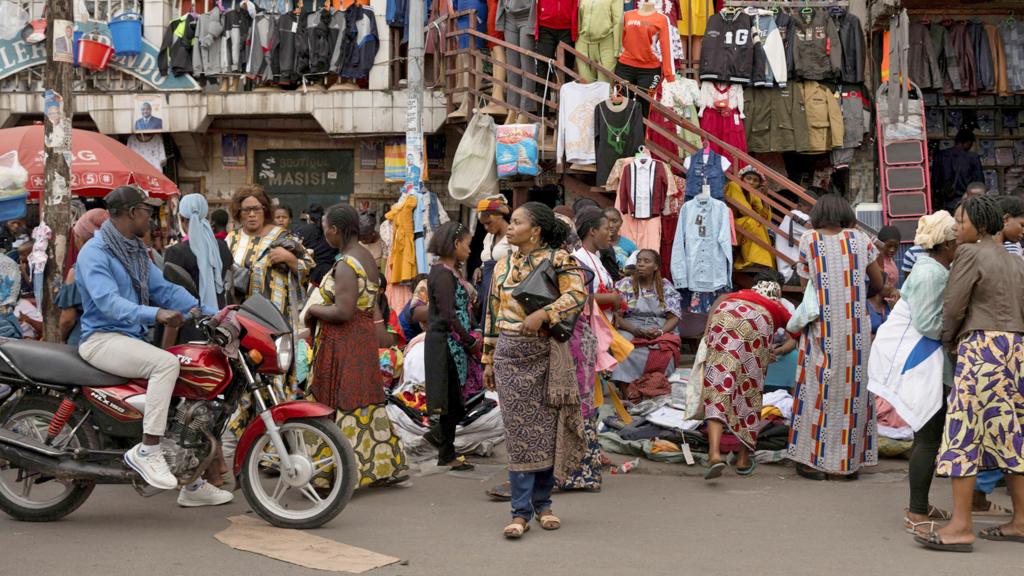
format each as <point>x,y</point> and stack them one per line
<point>177,275</point>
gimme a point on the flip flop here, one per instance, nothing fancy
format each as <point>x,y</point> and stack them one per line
<point>714,470</point>
<point>934,542</point>
<point>462,466</point>
<point>996,534</point>
<point>993,510</point>
<point>936,513</point>
<point>748,470</point>
<point>501,492</point>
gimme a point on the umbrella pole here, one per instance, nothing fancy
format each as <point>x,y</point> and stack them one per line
<point>56,200</point>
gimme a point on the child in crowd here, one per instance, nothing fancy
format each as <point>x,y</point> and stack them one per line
<point>793,227</point>
<point>1012,208</point>
<point>888,243</point>
<point>878,308</point>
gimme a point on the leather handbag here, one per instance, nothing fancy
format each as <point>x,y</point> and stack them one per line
<point>539,289</point>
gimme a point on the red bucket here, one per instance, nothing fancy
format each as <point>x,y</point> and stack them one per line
<point>95,52</point>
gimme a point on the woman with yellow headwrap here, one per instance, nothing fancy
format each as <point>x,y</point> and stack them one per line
<point>907,363</point>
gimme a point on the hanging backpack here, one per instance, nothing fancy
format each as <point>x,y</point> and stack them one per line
<point>474,170</point>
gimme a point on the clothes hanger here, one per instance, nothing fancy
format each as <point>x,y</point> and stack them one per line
<point>642,152</point>
<point>617,97</point>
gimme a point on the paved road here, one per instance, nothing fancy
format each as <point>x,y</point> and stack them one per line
<point>652,521</point>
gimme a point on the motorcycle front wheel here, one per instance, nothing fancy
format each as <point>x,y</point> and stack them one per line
<point>28,495</point>
<point>325,475</point>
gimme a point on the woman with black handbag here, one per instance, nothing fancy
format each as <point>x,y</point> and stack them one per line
<point>536,296</point>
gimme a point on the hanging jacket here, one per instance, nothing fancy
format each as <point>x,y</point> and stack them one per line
<point>237,38</point>
<point>318,38</point>
<point>176,48</point>
<point>998,59</point>
<point>924,66</point>
<point>818,53</point>
<point>701,172</point>
<point>206,54</point>
<point>727,50</point>
<point>964,49</point>
<point>556,15</point>
<point>1012,35</point>
<point>357,43</point>
<point>772,54</point>
<point>949,63</point>
<point>264,31</point>
<point>784,22</point>
<point>984,69</point>
<point>769,121</point>
<point>825,129</point>
<point>851,38</point>
<point>289,55</point>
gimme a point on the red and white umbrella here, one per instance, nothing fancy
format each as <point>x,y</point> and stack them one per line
<point>99,163</point>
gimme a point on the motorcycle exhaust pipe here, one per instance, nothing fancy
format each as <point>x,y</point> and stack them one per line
<point>23,455</point>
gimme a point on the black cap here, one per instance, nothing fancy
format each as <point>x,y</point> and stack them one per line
<point>124,197</point>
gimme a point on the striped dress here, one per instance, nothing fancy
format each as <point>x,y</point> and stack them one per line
<point>833,426</point>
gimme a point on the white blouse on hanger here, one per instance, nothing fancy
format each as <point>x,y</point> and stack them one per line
<point>712,97</point>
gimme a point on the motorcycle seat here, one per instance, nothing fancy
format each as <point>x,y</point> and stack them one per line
<point>54,364</point>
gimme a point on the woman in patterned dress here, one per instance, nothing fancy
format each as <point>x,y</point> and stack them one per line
<point>739,342</point>
<point>346,365</point>
<point>533,372</point>
<point>833,427</point>
<point>983,315</point>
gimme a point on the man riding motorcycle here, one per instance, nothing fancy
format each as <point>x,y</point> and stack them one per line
<point>123,295</point>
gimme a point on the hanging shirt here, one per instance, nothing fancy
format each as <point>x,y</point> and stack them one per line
<point>793,227</point>
<point>639,36</point>
<point>702,250</point>
<point>151,148</point>
<point>643,187</point>
<point>577,103</point>
<point>683,96</point>
<point>618,133</point>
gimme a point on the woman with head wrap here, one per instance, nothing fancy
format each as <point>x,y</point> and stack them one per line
<point>68,299</point>
<point>205,258</point>
<point>493,214</point>
<point>907,367</point>
<point>751,252</point>
<point>738,339</point>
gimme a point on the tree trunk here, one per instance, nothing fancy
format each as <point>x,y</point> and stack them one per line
<point>56,204</point>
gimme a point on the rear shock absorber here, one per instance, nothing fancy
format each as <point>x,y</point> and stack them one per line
<point>60,419</point>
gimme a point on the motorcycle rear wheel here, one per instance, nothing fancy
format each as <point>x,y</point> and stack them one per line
<point>32,418</point>
<point>327,476</point>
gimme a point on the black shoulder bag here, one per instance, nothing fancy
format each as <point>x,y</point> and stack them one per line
<point>540,289</point>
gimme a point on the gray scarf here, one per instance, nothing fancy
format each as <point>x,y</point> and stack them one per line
<point>133,255</point>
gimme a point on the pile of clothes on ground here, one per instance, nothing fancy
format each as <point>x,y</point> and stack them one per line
<point>478,433</point>
<point>663,428</point>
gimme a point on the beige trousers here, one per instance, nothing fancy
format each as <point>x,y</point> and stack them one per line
<point>129,357</point>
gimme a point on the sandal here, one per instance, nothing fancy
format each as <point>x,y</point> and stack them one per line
<point>460,465</point>
<point>516,529</point>
<point>714,470</point>
<point>934,542</point>
<point>936,513</point>
<point>911,527</point>
<point>996,534</point>
<point>501,492</point>
<point>548,521</point>
<point>993,510</point>
<point>810,473</point>
<point>748,470</point>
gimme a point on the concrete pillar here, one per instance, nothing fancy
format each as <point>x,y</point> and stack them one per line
<point>379,78</point>
<point>156,14</point>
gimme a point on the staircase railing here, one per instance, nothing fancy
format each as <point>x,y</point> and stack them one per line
<point>779,203</point>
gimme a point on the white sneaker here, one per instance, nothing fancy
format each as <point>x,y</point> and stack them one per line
<point>152,468</point>
<point>205,495</point>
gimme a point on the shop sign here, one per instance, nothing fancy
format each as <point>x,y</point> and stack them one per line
<point>16,55</point>
<point>310,173</point>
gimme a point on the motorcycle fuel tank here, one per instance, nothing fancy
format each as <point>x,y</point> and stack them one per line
<point>205,371</point>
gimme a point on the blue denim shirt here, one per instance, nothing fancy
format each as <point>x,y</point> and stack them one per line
<point>702,250</point>
<point>110,304</point>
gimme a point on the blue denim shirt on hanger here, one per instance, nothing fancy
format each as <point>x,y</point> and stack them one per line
<point>702,250</point>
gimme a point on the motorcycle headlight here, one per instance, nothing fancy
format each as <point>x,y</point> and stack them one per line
<point>285,350</point>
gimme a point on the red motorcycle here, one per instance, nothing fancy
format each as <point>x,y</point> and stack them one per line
<point>66,425</point>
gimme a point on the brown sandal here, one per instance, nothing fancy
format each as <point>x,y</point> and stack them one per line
<point>548,521</point>
<point>516,529</point>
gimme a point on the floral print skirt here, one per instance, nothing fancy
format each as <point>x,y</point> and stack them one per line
<point>985,415</point>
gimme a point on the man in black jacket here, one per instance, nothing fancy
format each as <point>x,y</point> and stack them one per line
<point>953,169</point>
